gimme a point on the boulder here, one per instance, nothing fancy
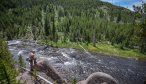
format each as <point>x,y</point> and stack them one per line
<point>99,78</point>
<point>44,66</point>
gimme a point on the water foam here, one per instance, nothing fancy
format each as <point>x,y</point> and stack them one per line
<point>65,55</point>
<point>73,62</point>
<point>13,42</point>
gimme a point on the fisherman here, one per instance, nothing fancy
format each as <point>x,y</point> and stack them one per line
<point>32,59</point>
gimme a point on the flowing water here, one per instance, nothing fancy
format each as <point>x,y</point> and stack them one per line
<point>73,63</point>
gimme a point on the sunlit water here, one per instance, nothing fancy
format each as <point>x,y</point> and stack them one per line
<point>77,64</point>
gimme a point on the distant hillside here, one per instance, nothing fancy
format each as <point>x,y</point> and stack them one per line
<point>95,6</point>
<point>105,9</point>
<point>88,21</point>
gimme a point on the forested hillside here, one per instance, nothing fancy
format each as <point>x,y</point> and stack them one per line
<point>87,21</point>
<point>92,24</point>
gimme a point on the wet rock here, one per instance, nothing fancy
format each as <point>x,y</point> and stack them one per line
<point>44,66</point>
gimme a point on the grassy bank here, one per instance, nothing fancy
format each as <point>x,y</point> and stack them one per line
<point>104,48</point>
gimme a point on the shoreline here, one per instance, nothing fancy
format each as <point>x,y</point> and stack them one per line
<point>128,54</point>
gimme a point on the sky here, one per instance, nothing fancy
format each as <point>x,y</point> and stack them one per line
<point>125,3</point>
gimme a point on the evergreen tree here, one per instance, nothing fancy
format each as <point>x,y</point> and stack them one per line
<point>119,17</point>
<point>140,12</point>
<point>21,63</point>
<point>7,70</point>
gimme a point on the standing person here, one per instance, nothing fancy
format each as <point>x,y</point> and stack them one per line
<point>32,58</point>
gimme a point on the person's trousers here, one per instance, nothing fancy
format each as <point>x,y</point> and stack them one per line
<point>32,63</point>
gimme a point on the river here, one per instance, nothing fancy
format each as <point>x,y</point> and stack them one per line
<point>74,63</point>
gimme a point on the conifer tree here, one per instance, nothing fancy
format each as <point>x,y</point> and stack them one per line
<point>21,62</point>
<point>7,69</point>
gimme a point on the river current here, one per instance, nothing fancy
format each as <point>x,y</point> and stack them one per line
<point>74,63</point>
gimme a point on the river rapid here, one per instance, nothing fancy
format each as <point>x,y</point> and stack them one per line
<point>74,63</point>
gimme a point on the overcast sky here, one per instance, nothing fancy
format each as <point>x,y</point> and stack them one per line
<point>125,3</point>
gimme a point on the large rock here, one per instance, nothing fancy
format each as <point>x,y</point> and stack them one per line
<point>99,78</point>
<point>44,66</point>
<point>95,78</point>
